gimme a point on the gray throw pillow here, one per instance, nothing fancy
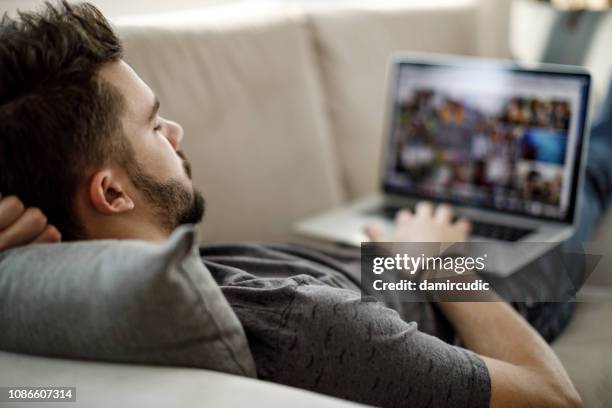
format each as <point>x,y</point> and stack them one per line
<point>120,301</point>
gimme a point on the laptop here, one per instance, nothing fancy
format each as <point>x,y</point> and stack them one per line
<point>503,143</point>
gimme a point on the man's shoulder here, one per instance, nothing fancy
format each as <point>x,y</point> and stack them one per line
<point>285,295</point>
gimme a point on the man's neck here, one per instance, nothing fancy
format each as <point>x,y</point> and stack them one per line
<point>128,230</point>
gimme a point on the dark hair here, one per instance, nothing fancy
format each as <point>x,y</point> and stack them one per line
<point>58,119</point>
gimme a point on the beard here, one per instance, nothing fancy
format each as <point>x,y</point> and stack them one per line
<point>173,204</point>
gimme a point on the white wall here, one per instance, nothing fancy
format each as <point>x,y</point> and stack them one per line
<point>493,14</point>
<point>493,10</point>
<point>113,8</point>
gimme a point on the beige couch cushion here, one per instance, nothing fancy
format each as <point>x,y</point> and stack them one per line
<point>244,86</point>
<point>354,46</point>
<point>116,385</point>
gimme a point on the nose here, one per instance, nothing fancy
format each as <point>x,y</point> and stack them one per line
<point>174,133</point>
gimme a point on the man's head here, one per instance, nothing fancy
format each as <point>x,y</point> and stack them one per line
<point>80,133</point>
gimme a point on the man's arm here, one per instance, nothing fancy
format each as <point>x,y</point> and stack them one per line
<point>21,226</point>
<point>523,369</point>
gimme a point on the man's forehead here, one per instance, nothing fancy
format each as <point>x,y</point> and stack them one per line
<point>138,96</point>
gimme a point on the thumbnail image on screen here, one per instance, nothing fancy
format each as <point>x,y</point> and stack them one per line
<point>509,157</point>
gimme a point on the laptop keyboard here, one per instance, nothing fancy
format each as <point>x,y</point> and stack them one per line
<point>479,228</point>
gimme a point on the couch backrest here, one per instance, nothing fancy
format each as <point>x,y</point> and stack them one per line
<point>243,84</point>
<point>353,46</point>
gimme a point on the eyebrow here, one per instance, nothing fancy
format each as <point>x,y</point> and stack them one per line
<point>154,110</point>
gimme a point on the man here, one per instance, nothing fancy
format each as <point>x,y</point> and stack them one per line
<point>81,139</point>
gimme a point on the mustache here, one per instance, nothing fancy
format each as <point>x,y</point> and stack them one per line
<point>186,164</point>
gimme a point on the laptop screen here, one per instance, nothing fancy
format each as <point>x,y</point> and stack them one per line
<point>487,135</point>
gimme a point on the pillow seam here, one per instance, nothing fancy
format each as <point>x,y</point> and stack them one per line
<point>225,342</point>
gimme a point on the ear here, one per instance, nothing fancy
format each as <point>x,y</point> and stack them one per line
<point>108,195</point>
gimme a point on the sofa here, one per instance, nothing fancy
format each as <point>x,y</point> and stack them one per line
<point>282,107</point>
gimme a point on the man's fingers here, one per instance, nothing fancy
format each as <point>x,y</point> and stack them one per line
<point>374,234</point>
<point>403,215</point>
<point>49,235</point>
<point>24,230</point>
<point>464,224</point>
<point>444,213</point>
<point>11,208</point>
<point>424,209</point>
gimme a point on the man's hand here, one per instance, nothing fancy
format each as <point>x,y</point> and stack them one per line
<point>22,226</point>
<point>425,225</point>
<point>523,370</point>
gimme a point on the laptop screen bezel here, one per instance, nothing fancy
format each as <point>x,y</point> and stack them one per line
<point>443,61</point>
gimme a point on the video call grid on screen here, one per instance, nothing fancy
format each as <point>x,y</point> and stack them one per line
<point>490,137</point>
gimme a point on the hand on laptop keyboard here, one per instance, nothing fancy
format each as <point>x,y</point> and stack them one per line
<point>426,224</point>
<point>479,229</point>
